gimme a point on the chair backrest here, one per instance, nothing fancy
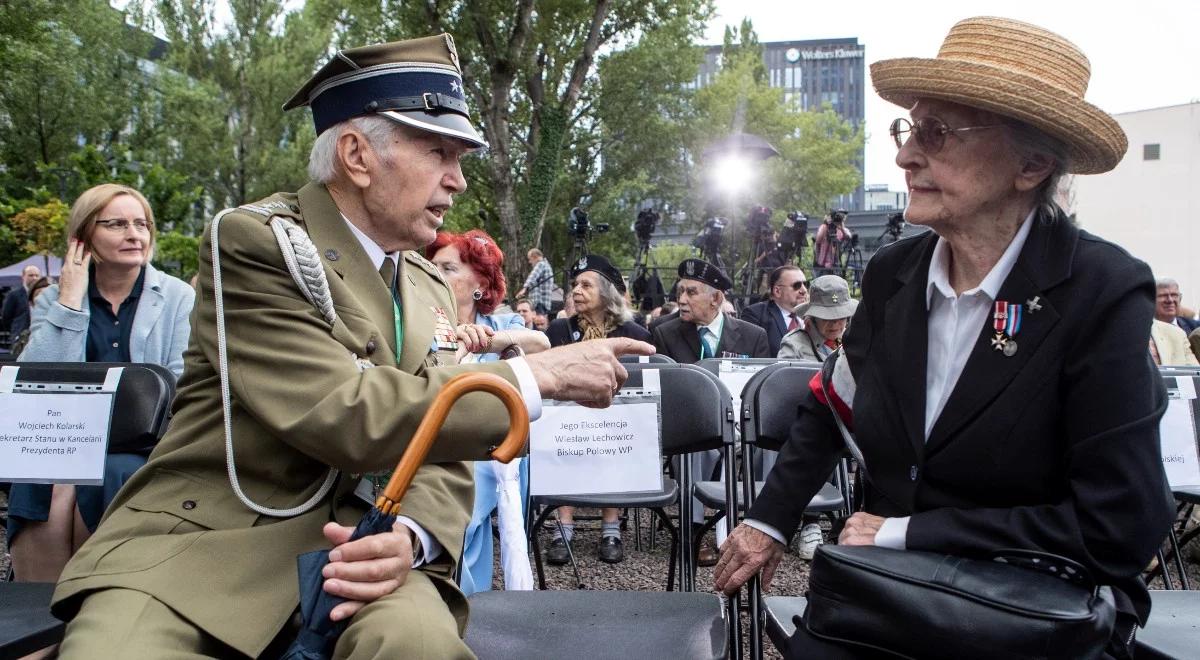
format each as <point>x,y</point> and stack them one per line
<point>657,358</point>
<point>769,403</point>
<point>141,407</point>
<point>696,409</point>
<point>1179,371</point>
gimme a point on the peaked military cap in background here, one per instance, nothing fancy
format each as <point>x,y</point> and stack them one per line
<point>416,82</point>
<point>698,269</point>
<point>602,267</point>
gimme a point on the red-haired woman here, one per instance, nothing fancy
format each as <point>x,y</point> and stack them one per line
<point>473,265</point>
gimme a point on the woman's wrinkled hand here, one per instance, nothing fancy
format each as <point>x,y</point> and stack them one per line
<point>474,338</point>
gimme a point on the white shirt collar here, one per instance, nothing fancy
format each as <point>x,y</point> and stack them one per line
<point>716,325</point>
<point>374,252</point>
<point>939,267</point>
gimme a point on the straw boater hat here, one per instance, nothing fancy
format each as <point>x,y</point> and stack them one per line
<point>1017,70</point>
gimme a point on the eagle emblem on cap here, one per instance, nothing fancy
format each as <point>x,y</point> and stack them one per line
<point>453,51</point>
<point>690,267</point>
<point>582,264</point>
<point>834,296</point>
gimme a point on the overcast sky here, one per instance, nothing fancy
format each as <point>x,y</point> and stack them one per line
<point>1144,54</point>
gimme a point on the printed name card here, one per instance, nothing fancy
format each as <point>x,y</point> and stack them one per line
<point>1177,431</point>
<point>575,450</point>
<point>53,437</point>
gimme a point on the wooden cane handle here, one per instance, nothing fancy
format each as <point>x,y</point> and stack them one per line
<point>422,440</point>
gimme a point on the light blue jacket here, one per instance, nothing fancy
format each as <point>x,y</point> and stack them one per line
<point>159,334</point>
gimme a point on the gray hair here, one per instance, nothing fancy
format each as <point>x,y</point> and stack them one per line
<point>1165,283</point>
<point>322,160</point>
<point>615,307</point>
<point>1032,145</point>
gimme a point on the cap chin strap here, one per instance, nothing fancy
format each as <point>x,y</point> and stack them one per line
<point>304,264</point>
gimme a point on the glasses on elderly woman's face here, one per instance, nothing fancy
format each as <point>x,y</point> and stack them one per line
<point>930,132</point>
<point>120,225</point>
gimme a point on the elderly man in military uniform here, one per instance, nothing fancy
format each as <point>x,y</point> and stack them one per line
<point>197,555</point>
<point>703,331</point>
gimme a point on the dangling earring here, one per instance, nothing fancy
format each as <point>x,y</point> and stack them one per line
<point>477,295</point>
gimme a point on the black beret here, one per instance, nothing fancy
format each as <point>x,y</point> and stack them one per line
<point>698,269</point>
<point>602,267</point>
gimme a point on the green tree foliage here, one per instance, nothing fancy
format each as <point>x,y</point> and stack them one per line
<point>41,228</point>
<point>178,254</point>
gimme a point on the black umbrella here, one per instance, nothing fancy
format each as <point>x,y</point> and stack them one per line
<point>748,145</point>
<point>319,634</point>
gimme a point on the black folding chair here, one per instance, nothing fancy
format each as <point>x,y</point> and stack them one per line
<point>141,411</point>
<point>626,624</point>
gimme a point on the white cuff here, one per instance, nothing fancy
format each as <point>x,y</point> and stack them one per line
<point>528,385</point>
<point>893,533</point>
<point>765,529</point>
<point>430,548</point>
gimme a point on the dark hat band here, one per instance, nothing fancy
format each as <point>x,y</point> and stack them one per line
<point>402,90</point>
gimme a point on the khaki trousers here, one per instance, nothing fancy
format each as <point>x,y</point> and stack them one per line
<point>413,622</point>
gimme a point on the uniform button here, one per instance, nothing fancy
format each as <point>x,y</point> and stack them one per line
<point>371,346</point>
<point>332,255</point>
<point>116,344</point>
<point>189,504</point>
<point>912,473</point>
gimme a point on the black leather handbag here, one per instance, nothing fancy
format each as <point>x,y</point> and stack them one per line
<point>913,604</point>
<point>927,605</point>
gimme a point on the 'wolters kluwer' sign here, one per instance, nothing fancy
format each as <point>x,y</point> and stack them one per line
<point>575,450</point>
<point>50,437</point>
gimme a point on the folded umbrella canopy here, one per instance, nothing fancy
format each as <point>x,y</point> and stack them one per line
<point>319,634</point>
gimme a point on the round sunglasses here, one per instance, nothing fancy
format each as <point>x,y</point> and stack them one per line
<point>930,132</point>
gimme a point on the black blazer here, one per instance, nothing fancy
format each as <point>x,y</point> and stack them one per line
<point>566,331</point>
<point>680,340</point>
<point>766,316</point>
<point>1055,448</point>
<point>1187,324</point>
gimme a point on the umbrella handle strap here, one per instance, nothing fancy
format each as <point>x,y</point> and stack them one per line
<point>422,440</point>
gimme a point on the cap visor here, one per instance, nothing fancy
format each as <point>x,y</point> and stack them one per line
<point>447,123</point>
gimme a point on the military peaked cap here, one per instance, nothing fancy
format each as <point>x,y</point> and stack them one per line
<point>416,82</point>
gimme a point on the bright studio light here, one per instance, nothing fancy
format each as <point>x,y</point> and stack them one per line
<point>731,174</point>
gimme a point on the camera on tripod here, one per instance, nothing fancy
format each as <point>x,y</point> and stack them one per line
<point>758,225</point>
<point>646,223</point>
<point>837,217</point>
<point>578,226</point>
<point>794,236</point>
<point>709,238</point>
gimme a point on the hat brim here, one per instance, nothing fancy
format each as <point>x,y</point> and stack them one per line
<point>446,123</point>
<point>1095,141</point>
<point>839,311</point>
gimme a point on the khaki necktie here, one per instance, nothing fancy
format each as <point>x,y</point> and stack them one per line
<point>388,272</point>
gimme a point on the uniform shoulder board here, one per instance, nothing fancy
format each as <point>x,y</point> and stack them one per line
<point>275,205</point>
<point>426,265</point>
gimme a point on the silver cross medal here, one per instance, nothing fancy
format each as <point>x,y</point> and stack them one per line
<point>1033,304</point>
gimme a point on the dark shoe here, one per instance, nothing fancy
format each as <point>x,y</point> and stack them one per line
<point>556,553</point>
<point>707,555</point>
<point>610,551</point>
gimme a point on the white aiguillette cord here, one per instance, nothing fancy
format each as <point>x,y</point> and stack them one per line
<point>304,264</point>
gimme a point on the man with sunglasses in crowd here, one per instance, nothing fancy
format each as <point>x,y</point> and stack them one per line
<point>789,288</point>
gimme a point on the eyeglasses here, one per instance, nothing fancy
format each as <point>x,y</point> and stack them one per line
<point>796,286</point>
<point>120,225</point>
<point>930,132</point>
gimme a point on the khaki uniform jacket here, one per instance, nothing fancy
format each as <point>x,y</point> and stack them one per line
<point>299,404</point>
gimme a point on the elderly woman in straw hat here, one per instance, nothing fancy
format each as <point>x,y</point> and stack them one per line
<point>995,373</point>
<point>825,315</point>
